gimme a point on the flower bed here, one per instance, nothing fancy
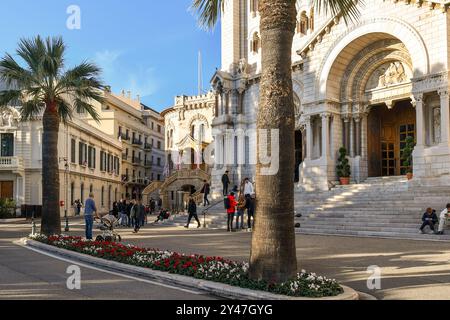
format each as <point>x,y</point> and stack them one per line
<point>214,269</point>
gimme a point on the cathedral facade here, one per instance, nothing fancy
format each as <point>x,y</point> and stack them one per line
<point>367,86</point>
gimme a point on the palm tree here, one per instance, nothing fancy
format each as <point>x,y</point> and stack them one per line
<point>273,252</point>
<point>43,87</point>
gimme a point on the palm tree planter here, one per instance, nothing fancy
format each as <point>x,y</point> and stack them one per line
<point>43,87</point>
<point>343,168</point>
<point>273,253</point>
<point>407,157</point>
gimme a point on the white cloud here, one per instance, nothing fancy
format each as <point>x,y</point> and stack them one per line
<point>122,75</point>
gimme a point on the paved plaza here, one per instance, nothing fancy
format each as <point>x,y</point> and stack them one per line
<point>410,269</point>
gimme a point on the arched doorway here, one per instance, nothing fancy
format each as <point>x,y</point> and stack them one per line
<point>389,129</point>
<point>370,75</point>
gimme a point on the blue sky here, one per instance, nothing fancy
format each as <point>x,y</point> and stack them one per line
<point>149,47</point>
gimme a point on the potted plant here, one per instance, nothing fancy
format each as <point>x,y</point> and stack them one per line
<point>407,157</point>
<point>343,167</point>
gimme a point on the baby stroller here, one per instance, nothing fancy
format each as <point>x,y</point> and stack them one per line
<point>107,225</point>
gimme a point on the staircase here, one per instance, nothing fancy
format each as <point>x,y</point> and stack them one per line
<point>379,207</point>
<point>215,218</point>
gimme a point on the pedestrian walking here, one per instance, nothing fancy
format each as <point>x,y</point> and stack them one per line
<point>115,210</point>
<point>89,212</point>
<point>78,205</point>
<point>123,213</point>
<point>249,194</point>
<point>128,211</point>
<point>241,205</point>
<point>225,183</point>
<point>206,190</point>
<point>251,203</point>
<point>152,206</point>
<point>230,205</point>
<point>192,210</point>
<point>138,212</point>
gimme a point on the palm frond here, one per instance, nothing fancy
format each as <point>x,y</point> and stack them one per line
<point>65,111</point>
<point>43,81</point>
<point>81,105</point>
<point>32,51</point>
<point>10,98</point>
<point>12,74</point>
<point>31,109</point>
<point>208,12</point>
<point>77,77</point>
<point>347,8</point>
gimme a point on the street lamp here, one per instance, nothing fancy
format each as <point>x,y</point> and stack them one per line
<point>66,166</point>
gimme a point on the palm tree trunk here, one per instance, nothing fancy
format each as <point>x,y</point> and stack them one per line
<point>273,253</point>
<point>51,220</point>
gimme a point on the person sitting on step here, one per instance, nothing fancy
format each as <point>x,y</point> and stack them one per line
<point>445,214</point>
<point>430,219</point>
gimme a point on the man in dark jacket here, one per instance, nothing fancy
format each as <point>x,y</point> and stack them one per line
<point>192,210</point>
<point>429,218</point>
<point>206,190</point>
<point>138,211</point>
<point>225,183</point>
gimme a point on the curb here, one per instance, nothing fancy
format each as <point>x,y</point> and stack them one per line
<point>214,288</point>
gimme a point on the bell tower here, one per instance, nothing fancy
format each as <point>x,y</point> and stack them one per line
<point>234,33</point>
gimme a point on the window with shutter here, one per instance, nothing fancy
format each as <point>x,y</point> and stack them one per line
<point>73,148</point>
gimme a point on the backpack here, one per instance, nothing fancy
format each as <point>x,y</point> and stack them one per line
<point>227,203</point>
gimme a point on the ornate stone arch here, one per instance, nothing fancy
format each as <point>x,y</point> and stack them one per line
<point>397,28</point>
<point>198,117</point>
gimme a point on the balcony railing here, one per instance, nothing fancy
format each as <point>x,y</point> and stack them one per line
<point>137,161</point>
<point>148,146</point>
<point>137,142</point>
<point>11,163</point>
<point>124,137</point>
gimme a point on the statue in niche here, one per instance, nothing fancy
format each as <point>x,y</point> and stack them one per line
<point>242,66</point>
<point>7,119</point>
<point>437,125</point>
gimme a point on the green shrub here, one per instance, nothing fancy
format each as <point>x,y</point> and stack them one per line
<point>407,154</point>
<point>7,209</point>
<point>343,167</point>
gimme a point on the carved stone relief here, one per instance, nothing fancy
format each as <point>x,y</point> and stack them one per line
<point>386,75</point>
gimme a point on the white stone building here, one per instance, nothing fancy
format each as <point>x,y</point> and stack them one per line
<point>367,86</point>
<point>89,161</point>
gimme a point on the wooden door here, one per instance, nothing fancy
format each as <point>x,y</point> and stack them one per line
<point>374,143</point>
<point>7,190</point>
<point>388,148</point>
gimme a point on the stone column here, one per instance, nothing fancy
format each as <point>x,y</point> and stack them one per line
<point>309,138</point>
<point>445,116</point>
<point>304,154</point>
<point>357,135</point>
<point>420,120</point>
<point>347,133</point>
<point>219,151</point>
<point>325,135</point>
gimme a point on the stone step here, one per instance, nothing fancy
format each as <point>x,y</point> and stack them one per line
<point>359,223</point>
<point>416,236</point>
<point>328,228</point>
